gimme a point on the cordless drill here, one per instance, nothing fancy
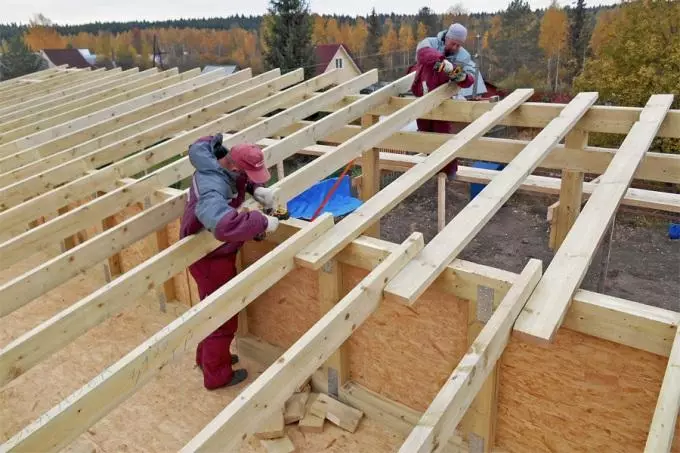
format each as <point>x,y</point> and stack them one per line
<point>279,213</point>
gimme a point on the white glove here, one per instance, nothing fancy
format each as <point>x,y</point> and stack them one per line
<point>448,66</point>
<point>272,224</point>
<point>264,196</point>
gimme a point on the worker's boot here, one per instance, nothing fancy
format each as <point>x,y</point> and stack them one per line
<point>239,376</point>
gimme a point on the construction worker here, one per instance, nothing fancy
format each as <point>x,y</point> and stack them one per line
<point>219,185</point>
<point>439,60</point>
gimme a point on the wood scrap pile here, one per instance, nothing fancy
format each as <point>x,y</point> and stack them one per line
<point>310,411</point>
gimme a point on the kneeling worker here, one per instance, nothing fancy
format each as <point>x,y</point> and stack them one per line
<point>219,185</point>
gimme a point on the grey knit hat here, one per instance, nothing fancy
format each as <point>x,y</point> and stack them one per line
<point>457,32</point>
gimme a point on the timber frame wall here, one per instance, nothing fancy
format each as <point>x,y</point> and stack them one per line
<point>93,167</point>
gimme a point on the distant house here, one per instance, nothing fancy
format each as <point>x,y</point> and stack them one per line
<point>336,56</point>
<point>227,69</point>
<point>71,57</point>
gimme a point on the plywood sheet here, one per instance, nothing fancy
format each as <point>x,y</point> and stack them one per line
<point>406,354</point>
<point>581,394</point>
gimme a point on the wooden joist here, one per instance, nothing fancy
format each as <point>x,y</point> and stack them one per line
<point>543,314</point>
<point>439,421</point>
<point>68,419</point>
<point>448,243</point>
<point>662,429</point>
<point>372,210</point>
<point>275,385</point>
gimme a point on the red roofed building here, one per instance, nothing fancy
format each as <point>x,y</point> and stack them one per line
<point>336,56</point>
<point>71,57</point>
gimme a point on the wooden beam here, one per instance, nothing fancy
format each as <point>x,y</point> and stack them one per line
<point>17,217</point>
<point>331,292</point>
<point>304,177</point>
<point>606,119</point>
<point>68,80</point>
<point>68,419</point>
<point>571,192</point>
<point>370,172</point>
<point>447,244</point>
<point>441,200</point>
<point>546,309</point>
<point>435,427</point>
<point>274,386</point>
<point>662,429</point>
<point>372,210</point>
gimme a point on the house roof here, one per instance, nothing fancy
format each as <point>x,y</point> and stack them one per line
<point>324,53</point>
<point>70,57</point>
<point>228,69</point>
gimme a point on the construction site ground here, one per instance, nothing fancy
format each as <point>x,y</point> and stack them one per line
<point>644,263</point>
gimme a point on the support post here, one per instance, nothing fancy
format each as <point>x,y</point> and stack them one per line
<point>441,201</point>
<point>242,330</point>
<point>606,252</point>
<point>571,191</point>
<point>330,293</point>
<point>370,171</point>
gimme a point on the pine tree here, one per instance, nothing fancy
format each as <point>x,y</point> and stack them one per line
<point>17,59</point>
<point>577,41</point>
<point>373,41</point>
<point>288,37</point>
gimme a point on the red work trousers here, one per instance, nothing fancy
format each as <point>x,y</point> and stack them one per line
<point>442,127</point>
<point>213,354</point>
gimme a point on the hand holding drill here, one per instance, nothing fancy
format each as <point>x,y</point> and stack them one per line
<point>455,72</point>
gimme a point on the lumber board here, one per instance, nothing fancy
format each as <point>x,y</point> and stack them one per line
<point>68,419</point>
<point>330,293</point>
<point>606,119</point>
<point>52,273</point>
<point>439,421</point>
<point>29,79</point>
<point>662,429</point>
<point>371,211</point>
<point>16,217</point>
<point>304,177</point>
<point>69,80</point>
<point>88,93</point>
<point>127,101</point>
<point>448,243</point>
<point>272,427</point>
<point>272,387</point>
<point>72,169</point>
<point>282,445</point>
<point>336,412</point>
<point>546,309</point>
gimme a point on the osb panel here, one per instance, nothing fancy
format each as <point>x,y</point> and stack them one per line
<point>185,286</point>
<point>140,251</point>
<point>406,354</point>
<point>580,394</point>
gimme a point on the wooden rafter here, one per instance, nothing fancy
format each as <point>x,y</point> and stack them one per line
<point>449,242</point>
<point>543,314</point>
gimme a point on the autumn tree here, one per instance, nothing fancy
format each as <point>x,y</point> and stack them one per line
<point>407,42</point>
<point>373,41</point>
<point>421,31</point>
<point>17,59</point>
<point>289,36</point>
<point>628,74</point>
<point>318,30</point>
<point>429,19</point>
<point>41,34</point>
<point>455,13</point>
<point>603,31</point>
<point>357,38</point>
<point>389,46</point>
<point>553,38</point>
<point>333,31</point>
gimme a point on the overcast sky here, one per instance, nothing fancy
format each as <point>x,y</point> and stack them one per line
<point>80,11</point>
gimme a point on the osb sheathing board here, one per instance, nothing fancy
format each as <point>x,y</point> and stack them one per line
<point>580,394</point>
<point>394,349</point>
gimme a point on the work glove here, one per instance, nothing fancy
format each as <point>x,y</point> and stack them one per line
<point>272,224</point>
<point>444,66</point>
<point>264,196</point>
<point>459,76</point>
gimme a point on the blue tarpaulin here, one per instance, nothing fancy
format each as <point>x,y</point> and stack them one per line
<point>341,203</point>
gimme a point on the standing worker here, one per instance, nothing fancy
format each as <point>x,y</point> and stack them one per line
<point>439,60</point>
<point>218,188</point>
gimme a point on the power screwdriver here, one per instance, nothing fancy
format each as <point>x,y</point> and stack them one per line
<point>280,213</point>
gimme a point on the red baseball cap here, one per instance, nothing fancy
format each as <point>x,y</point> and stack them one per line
<point>250,159</point>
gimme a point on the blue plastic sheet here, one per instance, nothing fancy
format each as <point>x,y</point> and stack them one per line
<point>341,203</point>
<point>674,231</point>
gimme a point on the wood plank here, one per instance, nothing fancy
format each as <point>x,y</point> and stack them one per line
<point>68,80</point>
<point>340,414</point>
<point>273,386</point>
<point>370,173</point>
<point>447,244</point>
<point>571,191</point>
<point>372,210</point>
<point>304,177</point>
<point>662,429</point>
<point>272,427</point>
<point>68,419</point>
<point>437,424</point>
<point>283,445</point>
<point>17,217</point>
<point>546,309</point>
<point>331,291</point>
<point>295,407</point>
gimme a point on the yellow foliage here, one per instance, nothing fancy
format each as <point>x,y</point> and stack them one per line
<point>554,30</point>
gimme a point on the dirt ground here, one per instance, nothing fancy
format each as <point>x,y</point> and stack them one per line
<point>644,263</point>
